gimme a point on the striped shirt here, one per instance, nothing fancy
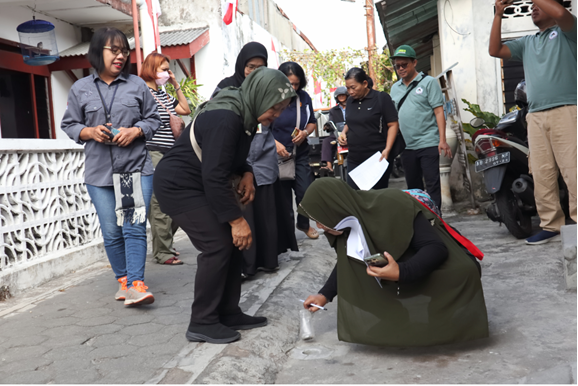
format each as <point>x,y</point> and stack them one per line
<point>163,139</point>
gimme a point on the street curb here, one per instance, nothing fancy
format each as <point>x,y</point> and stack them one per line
<point>261,353</point>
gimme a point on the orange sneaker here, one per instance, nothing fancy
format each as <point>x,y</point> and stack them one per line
<point>121,293</point>
<point>137,294</point>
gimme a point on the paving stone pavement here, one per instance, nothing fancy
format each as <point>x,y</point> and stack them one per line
<point>71,330</point>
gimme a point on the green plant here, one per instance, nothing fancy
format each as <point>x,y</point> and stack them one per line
<point>490,119</point>
<point>189,88</point>
<point>331,65</point>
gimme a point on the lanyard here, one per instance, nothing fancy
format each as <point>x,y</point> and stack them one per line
<point>107,111</point>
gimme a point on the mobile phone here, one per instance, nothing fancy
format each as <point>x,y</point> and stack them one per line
<point>295,133</point>
<point>377,260</point>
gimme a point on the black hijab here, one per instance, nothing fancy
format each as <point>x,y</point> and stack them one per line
<point>249,51</point>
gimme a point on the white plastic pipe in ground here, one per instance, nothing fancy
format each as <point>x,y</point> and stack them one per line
<point>147,29</point>
<point>445,169</point>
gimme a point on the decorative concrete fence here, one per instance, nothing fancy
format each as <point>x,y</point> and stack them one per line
<point>46,216</point>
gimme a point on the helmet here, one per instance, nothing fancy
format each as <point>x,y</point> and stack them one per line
<point>520,94</point>
<point>341,90</point>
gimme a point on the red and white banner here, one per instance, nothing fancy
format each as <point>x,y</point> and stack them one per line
<point>231,9</point>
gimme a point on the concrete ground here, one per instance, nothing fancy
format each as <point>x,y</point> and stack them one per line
<point>72,330</point>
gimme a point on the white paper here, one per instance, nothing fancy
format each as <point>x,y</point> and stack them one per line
<point>369,172</point>
<point>356,243</point>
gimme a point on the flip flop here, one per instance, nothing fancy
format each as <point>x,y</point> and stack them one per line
<point>173,261</point>
<point>311,232</point>
<point>175,252</point>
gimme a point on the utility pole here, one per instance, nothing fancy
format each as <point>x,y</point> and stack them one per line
<point>371,48</point>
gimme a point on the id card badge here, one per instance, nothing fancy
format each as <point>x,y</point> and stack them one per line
<point>259,129</point>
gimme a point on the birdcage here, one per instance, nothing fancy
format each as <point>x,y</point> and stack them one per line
<point>38,42</point>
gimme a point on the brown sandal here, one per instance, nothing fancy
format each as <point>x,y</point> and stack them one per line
<point>173,261</point>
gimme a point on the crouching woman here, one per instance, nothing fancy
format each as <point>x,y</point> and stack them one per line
<point>430,291</point>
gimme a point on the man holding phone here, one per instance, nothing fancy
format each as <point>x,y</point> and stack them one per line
<point>549,58</point>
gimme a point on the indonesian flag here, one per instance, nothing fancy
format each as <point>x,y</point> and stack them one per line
<point>230,13</point>
<point>274,51</point>
<point>154,10</point>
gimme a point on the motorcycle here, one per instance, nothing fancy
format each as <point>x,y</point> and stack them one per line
<point>340,159</point>
<point>503,160</point>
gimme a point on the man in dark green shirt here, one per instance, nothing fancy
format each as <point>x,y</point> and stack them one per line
<point>549,58</point>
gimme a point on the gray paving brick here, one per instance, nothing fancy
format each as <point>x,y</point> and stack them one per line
<point>109,340</point>
<point>58,322</point>
<point>31,363</point>
<point>57,332</point>
<point>114,351</point>
<point>171,310</point>
<point>142,329</point>
<point>132,369</point>
<point>27,377</point>
<point>149,339</point>
<point>22,341</point>
<point>93,312</point>
<point>141,318</point>
<point>67,352</point>
<point>27,327</point>
<point>179,319</point>
<point>76,376</point>
<point>97,321</point>
<point>21,353</point>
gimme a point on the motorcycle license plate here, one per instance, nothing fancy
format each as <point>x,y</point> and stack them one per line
<point>490,162</point>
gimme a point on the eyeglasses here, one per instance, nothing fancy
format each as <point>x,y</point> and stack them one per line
<point>252,67</point>
<point>117,50</point>
<point>401,66</point>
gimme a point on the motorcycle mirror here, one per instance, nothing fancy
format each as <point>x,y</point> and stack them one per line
<point>477,122</point>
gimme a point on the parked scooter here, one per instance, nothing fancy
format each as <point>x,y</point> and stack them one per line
<point>503,160</point>
<point>340,159</point>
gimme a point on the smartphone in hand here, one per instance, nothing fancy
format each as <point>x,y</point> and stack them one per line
<point>377,260</point>
<point>295,133</point>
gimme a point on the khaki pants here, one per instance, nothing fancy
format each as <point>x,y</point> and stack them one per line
<point>162,226</point>
<point>552,140</point>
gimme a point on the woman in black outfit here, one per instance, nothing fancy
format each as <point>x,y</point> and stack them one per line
<point>197,193</point>
<point>371,124</point>
<point>271,227</point>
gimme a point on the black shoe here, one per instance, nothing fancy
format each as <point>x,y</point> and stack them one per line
<point>211,333</point>
<point>243,322</point>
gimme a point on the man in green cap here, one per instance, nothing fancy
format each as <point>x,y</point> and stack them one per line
<point>549,58</point>
<point>419,101</point>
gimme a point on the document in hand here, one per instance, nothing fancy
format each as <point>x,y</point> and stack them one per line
<point>356,243</point>
<point>369,172</point>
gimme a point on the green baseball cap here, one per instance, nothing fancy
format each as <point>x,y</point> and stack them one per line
<point>404,51</point>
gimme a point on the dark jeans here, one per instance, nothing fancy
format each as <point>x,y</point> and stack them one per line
<point>303,178</point>
<point>423,164</point>
<point>218,277</point>
<point>327,149</point>
<point>381,184</point>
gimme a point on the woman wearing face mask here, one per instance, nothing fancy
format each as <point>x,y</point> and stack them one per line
<point>156,72</point>
<point>112,113</point>
<point>193,185</point>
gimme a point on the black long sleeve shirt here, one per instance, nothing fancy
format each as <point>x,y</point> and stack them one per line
<point>431,252</point>
<point>183,183</point>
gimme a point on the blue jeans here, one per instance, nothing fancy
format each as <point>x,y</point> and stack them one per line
<point>126,246</point>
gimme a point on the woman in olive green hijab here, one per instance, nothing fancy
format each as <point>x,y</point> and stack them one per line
<point>193,186</point>
<point>429,293</point>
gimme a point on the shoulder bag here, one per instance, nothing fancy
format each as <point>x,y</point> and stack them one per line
<point>399,144</point>
<point>287,164</point>
<point>177,124</point>
<point>234,179</point>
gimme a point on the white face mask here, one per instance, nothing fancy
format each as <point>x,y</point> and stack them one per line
<point>162,78</point>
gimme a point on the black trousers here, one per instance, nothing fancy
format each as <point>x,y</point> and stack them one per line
<point>381,184</point>
<point>423,164</point>
<point>218,278</point>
